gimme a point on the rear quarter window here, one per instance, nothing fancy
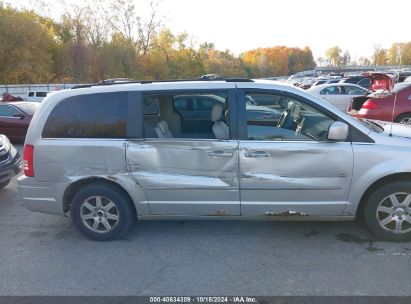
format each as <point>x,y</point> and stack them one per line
<point>89,116</point>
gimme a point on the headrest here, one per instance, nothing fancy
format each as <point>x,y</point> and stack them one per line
<point>296,112</point>
<point>216,112</point>
<point>290,105</point>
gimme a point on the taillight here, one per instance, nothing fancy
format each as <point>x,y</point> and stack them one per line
<point>28,160</point>
<point>370,105</point>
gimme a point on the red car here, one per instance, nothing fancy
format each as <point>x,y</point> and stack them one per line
<point>381,106</point>
<point>15,119</point>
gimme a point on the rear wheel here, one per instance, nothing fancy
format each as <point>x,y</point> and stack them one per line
<point>387,212</point>
<point>102,212</point>
<point>404,119</point>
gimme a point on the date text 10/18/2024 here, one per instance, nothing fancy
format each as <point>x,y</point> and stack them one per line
<point>203,299</point>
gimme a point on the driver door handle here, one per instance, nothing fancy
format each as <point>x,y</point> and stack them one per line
<point>257,154</point>
<point>221,153</point>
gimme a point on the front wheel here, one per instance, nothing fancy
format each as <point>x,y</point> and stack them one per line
<point>404,119</point>
<point>387,212</point>
<point>102,212</point>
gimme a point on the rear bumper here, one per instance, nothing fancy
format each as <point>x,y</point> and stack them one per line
<point>11,167</point>
<point>42,197</point>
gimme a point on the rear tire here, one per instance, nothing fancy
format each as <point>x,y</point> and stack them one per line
<point>387,212</point>
<point>102,212</point>
<point>404,119</point>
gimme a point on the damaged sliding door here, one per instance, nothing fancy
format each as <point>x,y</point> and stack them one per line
<point>187,173</point>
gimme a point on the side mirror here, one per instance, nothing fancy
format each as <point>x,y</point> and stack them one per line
<point>338,131</point>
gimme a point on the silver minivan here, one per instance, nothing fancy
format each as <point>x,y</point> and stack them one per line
<point>110,154</point>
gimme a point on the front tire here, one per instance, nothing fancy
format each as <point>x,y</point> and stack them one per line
<point>404,119</point>
<point>102,212</point>
<point>387,212</point>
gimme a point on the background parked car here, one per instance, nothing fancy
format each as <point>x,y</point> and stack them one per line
<point>358,80</point>
<point>36,96</point>
<point>15,119</point>
<point>380,105</point>
<point>339,94</point>
<point>326,81</point>
<point>10,161</point>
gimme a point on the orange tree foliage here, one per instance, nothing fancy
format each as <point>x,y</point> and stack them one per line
<point>82,48</point>
<point>276,61</point>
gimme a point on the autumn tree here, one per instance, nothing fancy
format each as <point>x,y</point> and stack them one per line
<point>224,64</point>
<point>346,58</point>
<point>333,55</point>
<point>26,48</point>
<point>380,55</point>
<point>123,17</point>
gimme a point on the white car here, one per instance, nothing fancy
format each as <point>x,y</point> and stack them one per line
<point>36,96</point>
<point>338,94</point>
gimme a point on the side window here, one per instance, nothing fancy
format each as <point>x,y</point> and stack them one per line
<point>41,94</point>
<point>354,90</point>
<point>88,116</point>
<point>8,111</point>
<point>189,115</point>
<point>182,104</point>
<point>205,104</point>
<point>334,90</point>
<point>286,119</point>
<point>31,94</point>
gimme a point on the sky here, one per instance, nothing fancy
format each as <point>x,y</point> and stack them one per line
<point>240,25</point>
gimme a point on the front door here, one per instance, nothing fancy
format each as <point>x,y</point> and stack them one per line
<point>189,173</point>
<point>289,168</point>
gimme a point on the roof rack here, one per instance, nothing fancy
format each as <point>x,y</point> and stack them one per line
<point>114,81</point>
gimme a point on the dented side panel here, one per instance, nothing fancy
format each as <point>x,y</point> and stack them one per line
<point>186,176</point>
<point>65,161</point>
<point>294,178</point>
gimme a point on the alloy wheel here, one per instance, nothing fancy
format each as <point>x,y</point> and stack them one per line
<point>393,213</point>
<point>99,214</point>
<point>406,121</point>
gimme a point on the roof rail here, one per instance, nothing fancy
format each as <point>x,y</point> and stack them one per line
<point>128,81</point>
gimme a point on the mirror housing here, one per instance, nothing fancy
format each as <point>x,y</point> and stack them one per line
<point>338,131</point>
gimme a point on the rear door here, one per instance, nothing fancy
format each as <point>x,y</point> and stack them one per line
<point>291,168</point>
<point>190,173</point>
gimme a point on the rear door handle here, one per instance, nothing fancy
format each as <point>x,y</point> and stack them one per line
<point>221,153</point>
<point>257,154</point>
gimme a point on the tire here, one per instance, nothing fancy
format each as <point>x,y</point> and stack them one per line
<point>392,221</point>
<point>102,212</point>
<point>404,119</point>
<point>4,184</point>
